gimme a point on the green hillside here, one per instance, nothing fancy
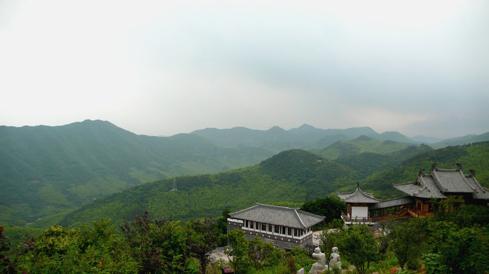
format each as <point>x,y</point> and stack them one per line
<point>468,139</point>
<point>47,171</point>
<point>292,176</point>
<point>359,145</point>
<point>304,137</point>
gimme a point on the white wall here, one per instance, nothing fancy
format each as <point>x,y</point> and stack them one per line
<point>359,212</point>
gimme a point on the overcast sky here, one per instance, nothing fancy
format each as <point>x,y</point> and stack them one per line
<point>164,67</point>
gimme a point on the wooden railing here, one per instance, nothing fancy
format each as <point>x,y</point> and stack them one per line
<point>356,220</point>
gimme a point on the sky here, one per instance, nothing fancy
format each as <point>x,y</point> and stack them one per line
<point>164,67</point>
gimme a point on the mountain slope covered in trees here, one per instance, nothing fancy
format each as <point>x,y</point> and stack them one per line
<point>305,137</point>
<point>467,139</point>
<point>49,170</point>
<point>292,177</point>
<point>361,144</point>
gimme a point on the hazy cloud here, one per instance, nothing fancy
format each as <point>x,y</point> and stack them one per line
<point>162,67</point>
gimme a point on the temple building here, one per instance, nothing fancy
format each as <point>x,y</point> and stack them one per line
<point>358,204</point>
<point>421,197</point>
<point>441,184</point>
<point>284,227</point>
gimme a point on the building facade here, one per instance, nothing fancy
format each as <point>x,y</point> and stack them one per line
<point>440,184</point>
<point>284,227</point>
<point>421,197</point>
<point>358,206</point>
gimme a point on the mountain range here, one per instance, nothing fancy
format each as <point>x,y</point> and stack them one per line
<point>48,172</point>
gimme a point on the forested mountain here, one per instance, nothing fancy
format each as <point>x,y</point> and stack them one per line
<point>359,145</point>
<point>292,176</point>
<point>49,170</point>
<point>467,139</point>
<point>277,139</point>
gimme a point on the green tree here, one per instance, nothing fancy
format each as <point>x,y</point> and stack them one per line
<point>157,246</point>
<point>434,263</point>
<point>331,207</point>
<point>6,265</point>
<point>358,246</point>
<point>466,250</point>
<point>222,225</point>
<point>262,254</point>
<point>203,237</point>
<point>238,251</point>
<point>97,248</point>
<point>408,240</point>
<point>328,241</point>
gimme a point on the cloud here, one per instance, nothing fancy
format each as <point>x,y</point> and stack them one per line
<point>162,67</point>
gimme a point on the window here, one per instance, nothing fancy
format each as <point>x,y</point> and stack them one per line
<point>269,228</point>
<point>295,232</point>
<point>251,224</point>
<point>283,230</point>
<point>264,227</point>
<point>277,229</point>
<point>246,223</point>
<point>289,231</point>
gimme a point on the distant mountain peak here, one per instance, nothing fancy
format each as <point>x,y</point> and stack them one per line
<point>276,129</point>
<point>94,122</point>
<point>306,126</point>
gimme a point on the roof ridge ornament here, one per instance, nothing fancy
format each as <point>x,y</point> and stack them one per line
<point>299,217</point>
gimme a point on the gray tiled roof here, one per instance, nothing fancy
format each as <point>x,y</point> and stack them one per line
<point>358,197</point>
<point>444,181</point>
<point>394,202</point>
<point>451,180</point>
<point>480,192</point>
<point>278,215</point>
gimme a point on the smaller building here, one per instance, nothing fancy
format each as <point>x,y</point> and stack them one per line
<point>358,206</point>
<point>284,227</point>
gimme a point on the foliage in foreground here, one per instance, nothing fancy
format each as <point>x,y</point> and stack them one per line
<point>448,243</point>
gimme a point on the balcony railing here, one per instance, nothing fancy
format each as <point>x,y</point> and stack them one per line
<point>357,220</point>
